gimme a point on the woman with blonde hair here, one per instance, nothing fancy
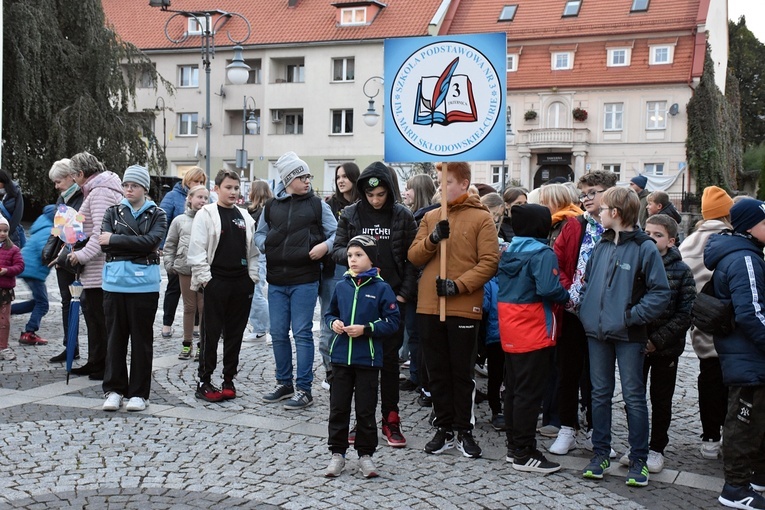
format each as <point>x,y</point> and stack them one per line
<point>558,198</point>
<point>260,193</point>
<point>497,208</point>
<point>174,205</point>
<point>419,192</point>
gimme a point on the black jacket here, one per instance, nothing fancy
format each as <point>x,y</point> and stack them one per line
<point>667,333</point>
<point>403,232</point>
<point>134,238</point>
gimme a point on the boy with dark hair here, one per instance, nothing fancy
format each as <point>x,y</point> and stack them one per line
<point>528,290</point>
<point>362,312</point>
<point>573,248</point>
<point>449,347</point>
<point>638,185</point>
<point>626,289</point>
<point>739,278</point>
<point>657,202</point>
<point>666,337</point>
<point>224,266</point>
<point>295,231</point>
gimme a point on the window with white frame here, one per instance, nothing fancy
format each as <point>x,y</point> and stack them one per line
<point>572,8</point>
<point>342,122</point>
<point>661,55</point>
<point>255,75</point>
<point>508,12</point>
<point>562,60</point>
<point>653,169</point>
<point>343,69</point>
<point>295,73</point>
<point>615,168</point>
<point>188,76</point>
<point>353,16</point>
<point>197,26</point>
<point>187,124</point>
<point>613,116</point>
<point>618,57</point>
<point>497,171</point>
<point>293,124</point>
<point>512,62</point>
<point>656,115</point>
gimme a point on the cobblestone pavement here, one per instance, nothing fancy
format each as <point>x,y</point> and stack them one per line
<point>58,448</point>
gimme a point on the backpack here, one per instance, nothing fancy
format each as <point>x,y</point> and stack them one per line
<point>711,314</point>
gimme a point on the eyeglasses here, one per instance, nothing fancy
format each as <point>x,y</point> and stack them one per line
<point>591,195</point>
<point>305,178</point>
<point>130,185</point>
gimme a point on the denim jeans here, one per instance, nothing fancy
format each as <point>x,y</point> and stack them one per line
<point>630,356</point>
<point>292,306</point>
<point>326,289</point>
<point>38,305</point>
<point>259,317</point>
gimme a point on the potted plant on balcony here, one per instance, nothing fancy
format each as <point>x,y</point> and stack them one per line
<point>580,114</point>
<point>530,115</point>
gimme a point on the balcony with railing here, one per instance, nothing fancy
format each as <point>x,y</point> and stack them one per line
<point>552,137</point>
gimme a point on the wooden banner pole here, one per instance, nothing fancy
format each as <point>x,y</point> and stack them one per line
<point>442,244</point>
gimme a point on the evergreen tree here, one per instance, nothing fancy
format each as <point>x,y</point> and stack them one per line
<point>732,136</point>
<point>745,58</point>
<point>68,83</point>
<point>705,145</point>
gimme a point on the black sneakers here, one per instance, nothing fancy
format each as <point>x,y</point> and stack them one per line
<point>442,441</point>
<point>467,445</point>
<point>532,461</point>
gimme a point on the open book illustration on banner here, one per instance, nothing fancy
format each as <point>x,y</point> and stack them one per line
<point>445,99</point>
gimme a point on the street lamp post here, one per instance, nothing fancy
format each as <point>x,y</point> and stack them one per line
<point>157,107</point>
<point>248,124</point>
<point>371,116</point>
<point>237,70</point>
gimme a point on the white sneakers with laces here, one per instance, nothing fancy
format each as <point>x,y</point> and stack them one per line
<point>136,404</point>
<point>113,401</point>
<point>565,441</point>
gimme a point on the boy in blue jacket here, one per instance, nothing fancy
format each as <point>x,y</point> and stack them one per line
<point>625,289</point>
<point>529,288</point>
<point>363,311</point>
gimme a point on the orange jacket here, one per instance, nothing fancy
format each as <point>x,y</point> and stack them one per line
<point>472,253</point>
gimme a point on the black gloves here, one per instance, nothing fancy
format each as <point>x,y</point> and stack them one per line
<point>446,287</point>
<point>440,232</point>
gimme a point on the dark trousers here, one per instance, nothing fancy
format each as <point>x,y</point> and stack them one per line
<point>663,373</point>
<point>713,398</point>
<point>130,318</point>
<point>226,310</point>
<point>65,279</point>
<point>414,341</point>
<point>495,357</point>
<point>525,379</point>
<point>389,375</point>
<point>550,396</point>
<point>346,381</point>
<point>92,301</point>
<point>573,372</point>
<point>744,446</point>
<point>172,296</point>
<point>450,349</point>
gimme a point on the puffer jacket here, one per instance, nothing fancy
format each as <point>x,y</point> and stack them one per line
<point>559,219</point>
<point>692,251</point>
<point>39,234</point>
<point>177,244</point>
<point>625,288</point>
<point>174,203</point>
<point>10,259</point>
<point>667,333</point>
<point>472,257</point>
<point>403,230</point>
<point>528,289</point>
<point>13,201</point>
<point>739,276</point>
<point>101,191</point>
<point>366,300</point>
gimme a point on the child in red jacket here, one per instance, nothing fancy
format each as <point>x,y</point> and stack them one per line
<point>11,264</point>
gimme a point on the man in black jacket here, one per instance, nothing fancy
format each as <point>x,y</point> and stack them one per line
<point>393,227</point>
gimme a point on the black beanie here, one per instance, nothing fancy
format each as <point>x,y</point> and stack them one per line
<point>366,243</point>
<point>368,183</point>
<point>531,220</point>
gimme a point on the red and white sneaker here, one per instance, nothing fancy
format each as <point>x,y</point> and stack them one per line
<point>391,429</point>
<point>31,338</point>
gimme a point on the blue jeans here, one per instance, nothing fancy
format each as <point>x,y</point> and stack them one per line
<point>630,356</point>
<point>38,305</point>
<point>259,317</point>
<point>293,305</point>
<point>326,289</point>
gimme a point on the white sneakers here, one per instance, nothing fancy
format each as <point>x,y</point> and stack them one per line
<point>565,441</point>
<point>136,404</point>
<point>336,466</point>
<point>7,354</point>
<point>710,449</point>
<point>655,461</point>
<point>113,401</point>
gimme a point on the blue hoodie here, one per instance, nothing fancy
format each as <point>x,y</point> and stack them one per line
<point>362,299</point>
<point>39,234</point>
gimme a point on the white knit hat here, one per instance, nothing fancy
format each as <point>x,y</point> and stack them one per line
<point>290,167</point>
